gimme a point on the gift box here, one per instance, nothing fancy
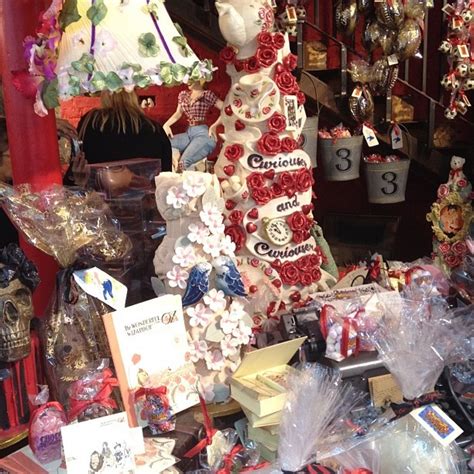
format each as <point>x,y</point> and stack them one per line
<point>268,454</point>
<point>315,55</point>
<point>259,383</point>
<point>259,422</point>
<point>266,436</point>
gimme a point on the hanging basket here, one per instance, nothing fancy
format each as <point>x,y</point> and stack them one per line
<point>387,182</point>
<point>341,157</point>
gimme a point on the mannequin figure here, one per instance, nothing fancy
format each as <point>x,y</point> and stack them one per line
<point>196,143</point>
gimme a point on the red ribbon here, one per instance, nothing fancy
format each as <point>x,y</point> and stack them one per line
<point>102,397</point>
<point>359,470</point>
<point>210,432</point>
<point>345,336</point>
<point>324,319</point>
<point>159,392</point>
<point>402,409</point>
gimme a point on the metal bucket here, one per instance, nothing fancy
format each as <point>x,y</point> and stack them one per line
<point>341,158</point>
<point>309,138</point>
<point>387,182</point>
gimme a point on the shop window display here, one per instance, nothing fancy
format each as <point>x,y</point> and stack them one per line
<point>245,289</point>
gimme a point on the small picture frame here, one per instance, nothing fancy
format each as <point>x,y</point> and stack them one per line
<point>291,112</point>
<point>463,50</point>
<point>292,16</point>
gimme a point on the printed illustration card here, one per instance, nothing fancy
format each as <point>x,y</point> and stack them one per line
<point>102,445</point>
<point>439,425</point>
<point>148,343</point>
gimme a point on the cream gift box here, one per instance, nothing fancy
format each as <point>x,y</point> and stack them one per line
<point>259,422</point>
<point>259,382</point>
<point>267,436</point>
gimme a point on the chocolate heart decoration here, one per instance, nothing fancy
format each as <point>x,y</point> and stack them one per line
<point>268,271</point>
<point>229,204</point>
<point>276,264</point>
<point>251,227</point>
<point>229,170</point>
<point>228,110</point>
<point>276,283</point>
<point>254,262</point>
<point>269,174</point>
<point>253,213</point>
<point>253,289</point>
<point>239,125</point>
<point>245,195</point>
<point>307,208</point>
<point>279,68</point>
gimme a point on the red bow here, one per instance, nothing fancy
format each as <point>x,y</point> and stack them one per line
<point>454,173</point>
<point>210,432</point>
<point>102,397</point>
<point>160,392</point>
<point>402,409</point>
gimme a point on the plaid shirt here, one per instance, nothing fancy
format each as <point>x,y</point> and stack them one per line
<point>196,112</point>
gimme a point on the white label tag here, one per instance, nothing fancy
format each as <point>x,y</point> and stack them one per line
<point>102,286</point>
<point>369,136</point>
<point>396,137</point>
<point>392,60</point>
<point>437,423</point>
<point>448,9</point>
<point>463,50</point>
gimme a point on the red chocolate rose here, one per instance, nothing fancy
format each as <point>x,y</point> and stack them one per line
<point>462,183</point>
<point>237,235</point>
<point>227,55</point>
<point>234,152</point>
<point>286,180</point>
<point>255,180</point>
<point>306,278</point>
<point>278,40</point>
<point>298,237</point>
<point>288,144</point>
<point>289,274</point>
<point>265,39</point>
<point>296,221</point>
<point>315,259</point>
<point>251,65</point>
<point>303,179</point>
<point>301,98</point>
<point>459,248</point>
<point>452,260</point>
<point>269,144</point>
<point>290,62</point>
<point>319,257</point>
<point>315,274</point>
<point>277,123</point>
<point>304,263</point>
<point>443,191</point>
<point>261,196</point>
<point>286,82</point>
<point>444,248</point>
<point>277,190</point>
<point>266,56</point>
<point>236,217</point>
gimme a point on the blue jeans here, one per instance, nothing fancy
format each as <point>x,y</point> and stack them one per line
<point>194,144</point>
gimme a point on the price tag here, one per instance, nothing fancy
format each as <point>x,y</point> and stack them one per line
<point>357,92</point>
<point>457,23</point>
<point>292,16</point>
<point>392,60</point>
<point>369,136</point>
<point>463,50</point>
<point>396,137</point>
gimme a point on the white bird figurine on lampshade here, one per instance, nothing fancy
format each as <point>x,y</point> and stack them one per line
<point>87,46</point>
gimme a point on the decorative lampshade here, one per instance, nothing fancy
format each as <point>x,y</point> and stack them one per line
<point>87,46</point>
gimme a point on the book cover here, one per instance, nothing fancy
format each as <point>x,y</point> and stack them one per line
<point>148,343</point>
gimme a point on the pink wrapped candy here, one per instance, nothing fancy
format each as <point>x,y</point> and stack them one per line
<point>377,158</point>
<point>45,428</point>
<point>336,132</point>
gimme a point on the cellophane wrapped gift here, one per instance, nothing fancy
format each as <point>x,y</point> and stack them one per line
<point>75,228</point>
<point>417,337</point>
<point>317,407</point>
<point>91,396</point>
<point>45,428</point>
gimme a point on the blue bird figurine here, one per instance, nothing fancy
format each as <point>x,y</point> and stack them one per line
<point>198,283</point>
<point>228,278</point>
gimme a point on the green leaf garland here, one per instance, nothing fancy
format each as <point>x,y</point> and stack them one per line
<point>85,64</point>
<point>69,14</point>
<point>147,45</point>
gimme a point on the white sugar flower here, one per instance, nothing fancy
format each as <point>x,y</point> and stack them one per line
<point>217,229</point>
<point>212,245</point>
<point>242,333</point>
<point>236,310</point>
<point>199,315</point>
<point>215,360</point>
<point>228,323</point>
<point>229,346</point>
<point>215,300</point>
<point>177,197</point>
<point>105,43</point>
<point>198,233</point>
<point>177,277</point>
<point>197,350</point>
<point>227,246</point>
<point>194,184</point>
<point>210,214</point>
<point>185,256</point>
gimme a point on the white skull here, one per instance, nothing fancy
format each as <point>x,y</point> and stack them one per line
<point>471,70</point>
<point>462,70</point>
<point>445,47</point>
<point>469,84</point>
<point>450,113</point>
<point>467,16</point>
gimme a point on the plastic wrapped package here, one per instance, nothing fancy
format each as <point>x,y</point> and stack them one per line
<point>384,77</point>
<point>91,396</point>
<point>156,409</point>
<point>45,428</point>
<point>76,228</point>
<point>316,408</point>
<point>408,39</point>
<point>361,103</point>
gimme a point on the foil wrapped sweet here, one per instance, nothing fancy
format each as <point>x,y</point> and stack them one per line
<point>365,6</point>
<point>339,131</point>
<point>378,158</point>
<point>408,40</point>
<point>383,77</point>
<point>390,13</point>
<point>346,16</point>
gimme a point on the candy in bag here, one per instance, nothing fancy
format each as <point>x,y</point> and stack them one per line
<point>45,428</point>
<point>156,409</point>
